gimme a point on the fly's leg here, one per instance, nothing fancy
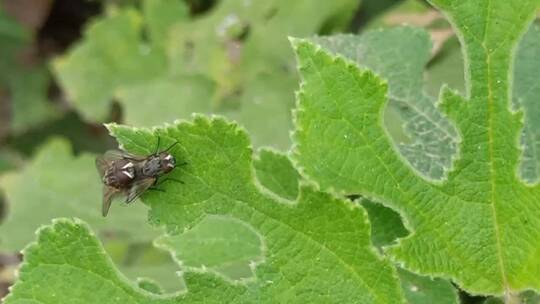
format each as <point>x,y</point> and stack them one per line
<point>157,146</point>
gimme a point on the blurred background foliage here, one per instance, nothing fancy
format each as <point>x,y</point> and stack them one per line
<point>67,66</point>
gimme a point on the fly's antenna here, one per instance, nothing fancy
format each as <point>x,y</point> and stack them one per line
<point>157,146</point>
<point>171,146</point>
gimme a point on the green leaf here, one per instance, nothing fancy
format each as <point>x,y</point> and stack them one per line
<point>448,69</point>
<point>276,173</point>
<point>399,55</point>
<point>318,236</point>
<point>160,16</point>
<point>219,180</point>
<point>111,55</point>
<point>222,245</point>
<point>55,184</point>
<point>480,225</point>
<point>386,227</point>
<point>67,249</point>
<point>195,95</point>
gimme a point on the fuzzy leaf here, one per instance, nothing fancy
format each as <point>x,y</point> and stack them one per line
<point>448,69</point>
<point>482,218</point>
<point>386,227</point>
<point>318,236</point>
<point>399,56</point>
<point>67,249</point>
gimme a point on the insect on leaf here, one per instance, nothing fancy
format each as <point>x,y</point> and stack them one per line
<point>315,236</point>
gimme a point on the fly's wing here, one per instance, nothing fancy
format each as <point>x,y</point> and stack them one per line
<point>138,187</point>
<point>109,193</point>
<point>105,160</point>
<point>101,165</point>
<point>120,154</point>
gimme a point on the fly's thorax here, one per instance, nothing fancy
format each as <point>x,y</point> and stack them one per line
<point>151,167</point>
<point>158,164</point>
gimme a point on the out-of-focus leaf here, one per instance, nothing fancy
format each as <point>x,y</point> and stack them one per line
<point>411,12</point>
<point>234,60</point>
<point>166,99</point>
<point>70,126</point>
<point>160,16</point>
<point>9,160</point>
<point>111,55</point>
<point>26,82</point>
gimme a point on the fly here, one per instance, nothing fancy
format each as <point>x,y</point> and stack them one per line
<point>129,175</point>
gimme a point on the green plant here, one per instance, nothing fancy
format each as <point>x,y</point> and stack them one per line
<point>467,214</point>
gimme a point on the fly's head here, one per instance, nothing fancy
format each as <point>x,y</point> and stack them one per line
<point>167,162</point>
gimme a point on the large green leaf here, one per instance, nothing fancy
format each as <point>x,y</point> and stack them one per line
<point>316,237</point>
<point>276,172</point>
<point>479,226</point>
